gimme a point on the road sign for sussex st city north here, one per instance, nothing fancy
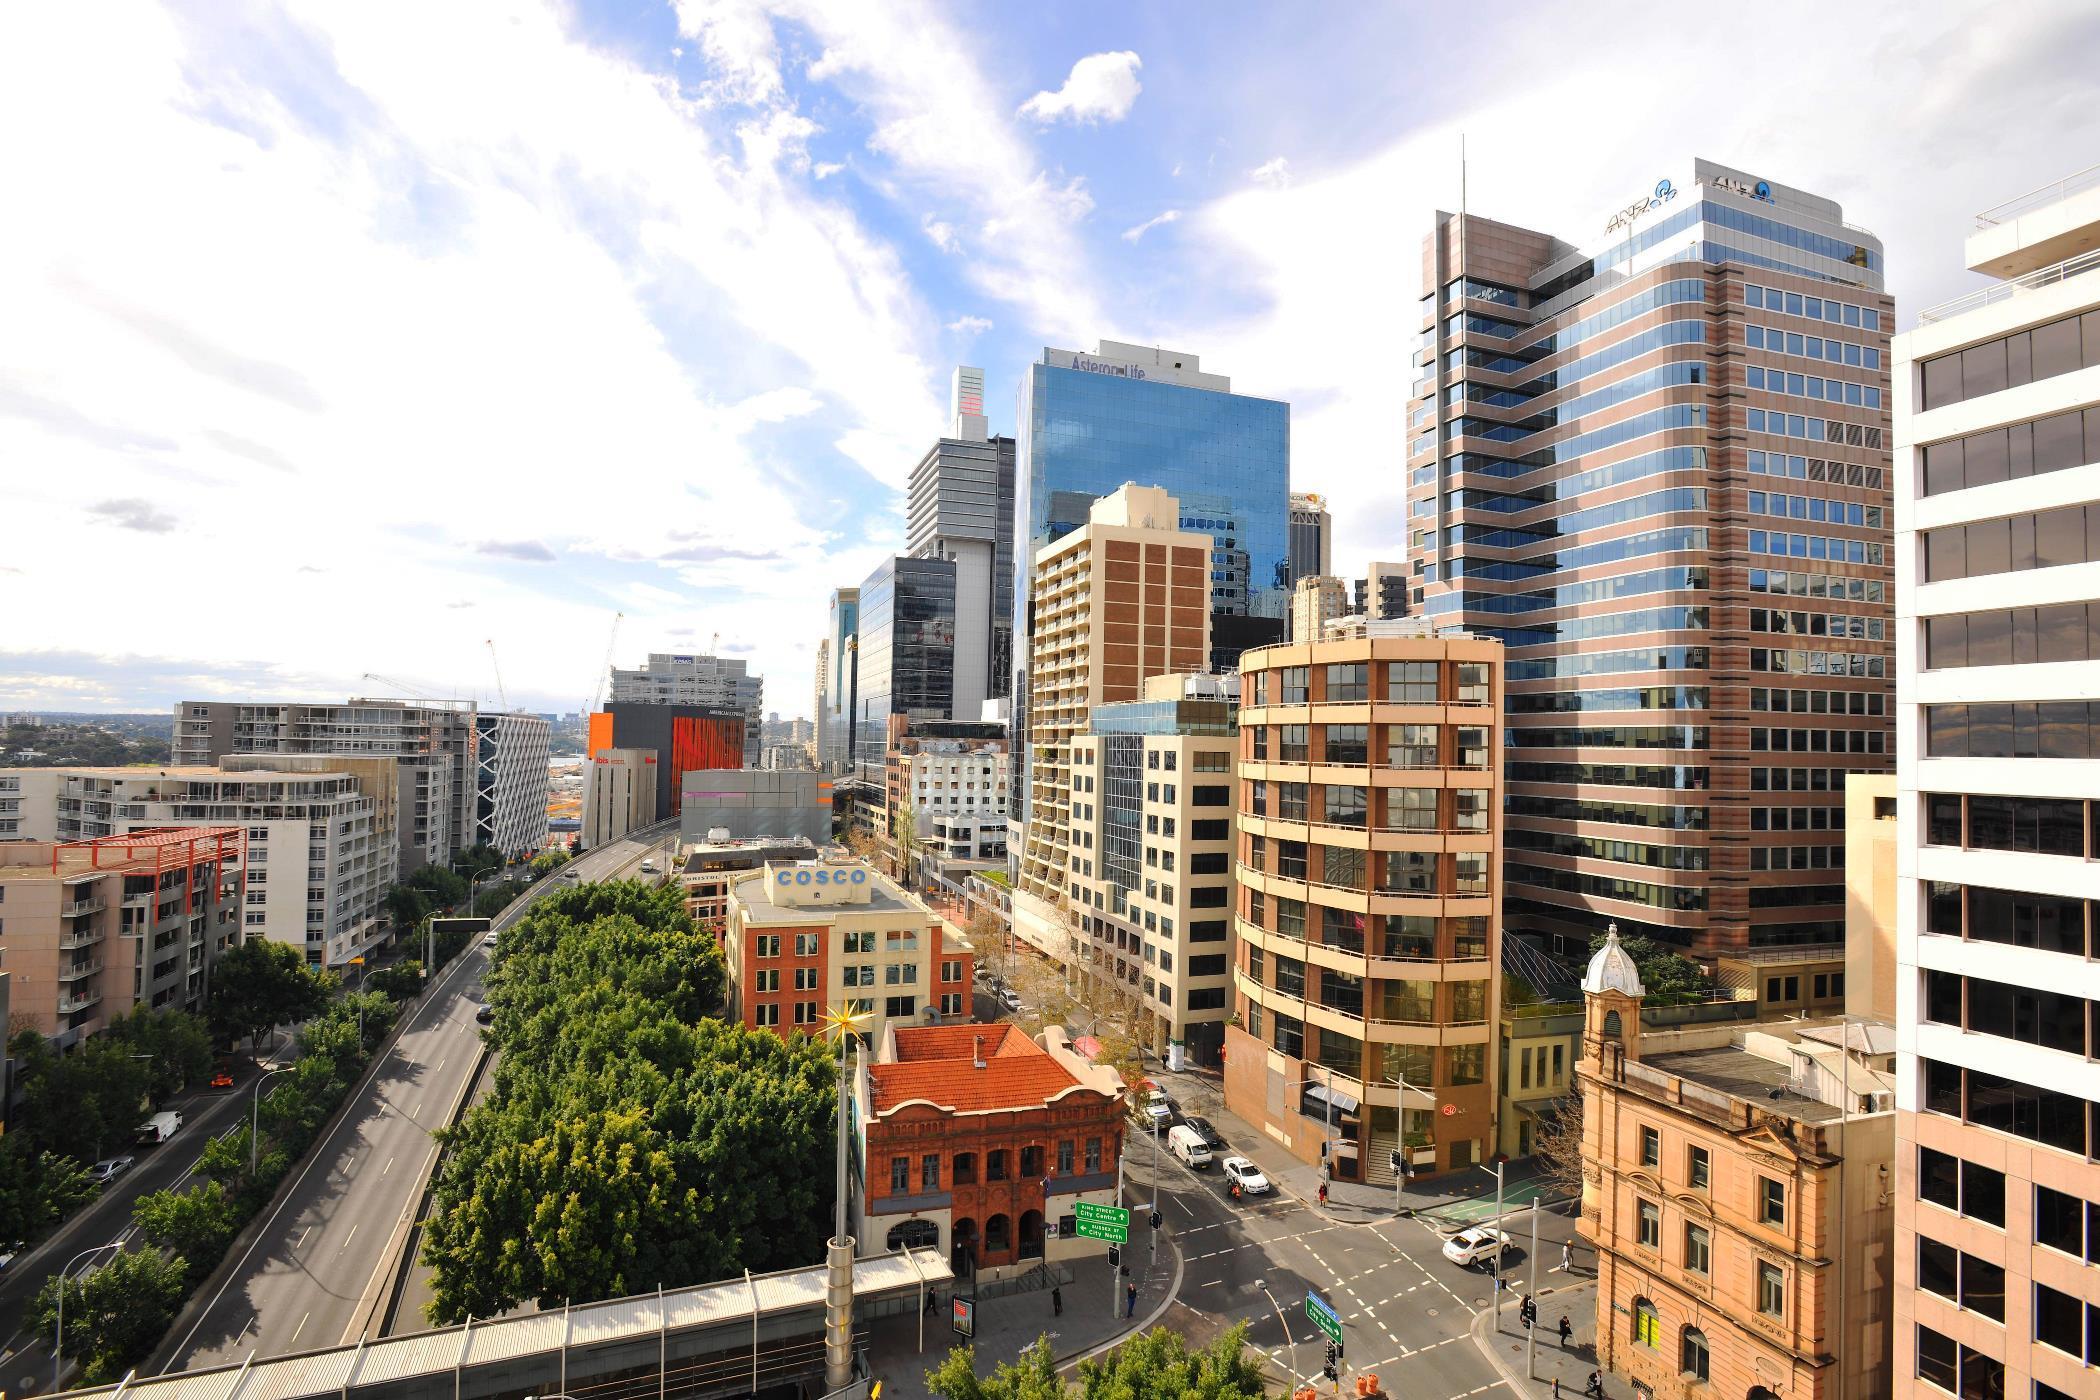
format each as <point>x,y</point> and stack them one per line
<point>1323,1316</point>
<point>1111,1223</point>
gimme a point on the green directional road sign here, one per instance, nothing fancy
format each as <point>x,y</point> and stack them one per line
<point>1111,1223</point>
<point>1323,1316</point>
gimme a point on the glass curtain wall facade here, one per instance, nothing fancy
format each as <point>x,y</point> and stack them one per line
<point>836,750</point>
<point>907,653</point>
<point>1657,468</point>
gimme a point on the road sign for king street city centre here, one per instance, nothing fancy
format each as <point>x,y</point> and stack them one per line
<point>1323,1316</point>
<point>1111,1223</point>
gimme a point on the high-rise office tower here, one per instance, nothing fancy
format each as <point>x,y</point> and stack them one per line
<point>962,510</point>
<point>1117,600</point>
<point>907,654</point>
<point>1369,919</point>
<point>1087,423</point>
<point>835,749</point>
<point>1382,591</point>
<point>818,718</point>
<point>1997,903</point>
<point>1654,461</point>
<point>1316,600</point>
<point>717,682</point>
<point>1312,536</point>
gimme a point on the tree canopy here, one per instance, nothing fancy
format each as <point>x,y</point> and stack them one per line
<point>179,1043</point>
<point>115,1313</point>
<point>261,984</point>
<point>81,1104</point>
<point>631,1139</point>
<point>1665,971</point>
<point>1154,1365</point>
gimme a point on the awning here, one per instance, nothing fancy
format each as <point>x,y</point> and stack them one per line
<point>1316,1096</point>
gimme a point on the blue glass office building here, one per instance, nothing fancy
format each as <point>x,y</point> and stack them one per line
<point>1088,422</point>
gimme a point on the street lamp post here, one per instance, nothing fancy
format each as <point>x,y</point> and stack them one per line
<point>1496,1230</point>
<point>58,1341</point>
<point>255,1118</point>
<point>1403,1169</point>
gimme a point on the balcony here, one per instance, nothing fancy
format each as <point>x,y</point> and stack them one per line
<point>73,972</point>
<point>70,1002</point>
<point>81,938</point>
<point>88,904</point>
<point>2064,271</point>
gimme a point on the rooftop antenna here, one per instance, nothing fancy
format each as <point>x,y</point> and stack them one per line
<point>1461,174</point>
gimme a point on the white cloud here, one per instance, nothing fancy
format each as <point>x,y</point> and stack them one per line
<point>825,169</point>
<point>133,514</point>
<point>970,325</point>
<point>1100,88</point>
<point>1166,216</point>
<point>941,234</point>
<point>1273,173</point>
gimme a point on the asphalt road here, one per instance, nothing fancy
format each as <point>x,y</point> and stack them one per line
<point>1406,1311</point>
<point>299,1286</point>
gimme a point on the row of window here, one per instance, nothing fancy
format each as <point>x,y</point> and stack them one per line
<point>1661,857</point>
<point>1405,746</point>
<point>1355,682</point>
<point>1814,429</point>
<point>1611,736</point>
<point>1680,898</point>
<point>1686,778</point>
<point>2026,357</point>
<point>1799,779</point>
<point>1828,547</point>
<point>1797,857</point>
<point>2042,540</point>
<point>1397,872</point>
<point>1828,349</point>
<point>1826,309</point>
<point>1819,740</point>
<point>1405,937</point>
<point>1399,809</point>
<point>2023,729</point>
<point>1816,469</point>
<point>1819,702</point>
<point>2053,444</point>
<point>2013,636</point>
<point>1797,818</point>
<point>1801,623</point>
<point>1621,813</point>
<point>1801,583</point>
<point>961,1170</point>
<point>1812,386</point>
<point>2051,1020</point>
<point>1647,697</point>
<point>1802,662</point>
<point>2052,923</point>
<point>1608,663</point>
<point>2062,1121</point>
<point>2042,825</point>
<point>1816,508</point>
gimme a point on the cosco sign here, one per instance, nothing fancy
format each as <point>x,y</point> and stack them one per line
<point>821,877</point>
<point>1664,193</point>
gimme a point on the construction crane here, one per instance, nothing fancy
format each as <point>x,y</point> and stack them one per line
<point>497,666</point>
<point>398,687</point>
<point>604,672</point>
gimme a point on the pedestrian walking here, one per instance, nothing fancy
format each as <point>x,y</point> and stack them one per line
<point>1057,1301</point>
<point>1595,1386</point>
<point>1567,1258</point>
<point>1323,1193</point>
<point>933,1302</point>
<point>1130,1300</point>
<point>1567,1330</point>
<point>1556,1388</point>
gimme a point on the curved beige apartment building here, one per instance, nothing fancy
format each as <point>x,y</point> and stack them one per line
<point>1369,917</point>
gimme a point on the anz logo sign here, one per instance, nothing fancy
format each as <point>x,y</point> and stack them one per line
<point>1664,193</point>
<point>1757,189</point>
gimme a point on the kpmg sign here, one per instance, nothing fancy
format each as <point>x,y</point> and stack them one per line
<point>1664,193</point>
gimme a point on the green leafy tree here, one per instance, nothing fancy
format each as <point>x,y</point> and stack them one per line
<point>1158,1365</point>
<point>261,984</point>
<point>180,1044</point>
<point>37,1189</point>
<point>85,1103</point>
<point>407,905</point>
<point>475,859</point>
<point>197,1224</point>
<point>547,862</point>
<point>442,886</point>
<point>114,1314</point>
<point>1030,1376</point>
<point>1664,970</point>
<point>225,1159</point>
<point>399,982</point>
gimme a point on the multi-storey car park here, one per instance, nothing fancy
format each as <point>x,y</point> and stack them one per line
<point>1655,463</point>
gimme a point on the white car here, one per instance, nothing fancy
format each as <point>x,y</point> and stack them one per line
<point>1476,1246</point>
<point>1244,1174</point>
<point>1011,1002</point>
<point>1159,1108</point>
<point>110,1168</point>
<point>648,867</point>
<point>488,940</point>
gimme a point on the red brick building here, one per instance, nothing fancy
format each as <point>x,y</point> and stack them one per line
<point>979,1141</point>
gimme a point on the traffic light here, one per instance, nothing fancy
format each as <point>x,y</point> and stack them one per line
<point>1154,1220</point>
<point>1332,1369</point>
<point>1115,1255</point>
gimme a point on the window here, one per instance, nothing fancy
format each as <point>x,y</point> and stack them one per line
<point>1771,1289</point>
<point>995,1164</point>
<point>1411,683</point>
<point>1647,1327</point>
<point>768,945</point>
<point>1651,1147</point>
<point>1650,1231</point>
<point>1293,686</point>
<point>1695,1361</point>
<point>930,1172</point>
<point>1032,1162</point>
<point>1348,681</point>
<point>1936,1362</point>
<point>1698,1249</point>
<point>901,1006</point>
<point>900,1175</point>
<point>1093,1155</point>
<point>1411,746</point>
<point>1347,743</point>
<point>1066,1152</point>
<point>1771,1202</point>
<point>2067,1223</point>
<point>766,1015</point>
<point>2063,1322</point>
<point>766,980</point>
<point>806,945</point>
<point>1699,1168</point>
<point>965,1173</point>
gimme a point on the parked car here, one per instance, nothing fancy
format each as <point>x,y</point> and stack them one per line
<point>1008,1000</point>
<point>1158,1107</point>
<point>1204,1130</point>
<point>1189,1148</point>
<point>110,1168</point>
<point>1476,1247</point>
<point>485,1015</point>
<point>159,1128</point>
<point>8,1253</point>
<point>1244,1174</point>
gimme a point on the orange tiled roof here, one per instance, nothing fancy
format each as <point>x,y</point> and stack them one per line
<point>1012,1081</point>
<point>957,1042</point>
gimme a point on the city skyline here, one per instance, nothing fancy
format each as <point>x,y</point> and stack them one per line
<point>315,187</point>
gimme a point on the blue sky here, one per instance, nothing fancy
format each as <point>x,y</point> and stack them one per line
<point>346,339</point>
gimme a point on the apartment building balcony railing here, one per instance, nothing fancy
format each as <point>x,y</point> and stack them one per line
<point>74,972</point>
<point>81,938</point>
<point>70,1002</point>
<point>2064,271</point>
<point>88,905</point>
<point>2054,192</point>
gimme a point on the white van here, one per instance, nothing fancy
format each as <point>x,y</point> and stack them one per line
<point>1187,1144</point>
<point>159,1128</point>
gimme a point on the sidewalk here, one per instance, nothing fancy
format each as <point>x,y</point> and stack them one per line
<point>1570,1365</point>
<point>1451,1201</point>
<point>1010,1324</point>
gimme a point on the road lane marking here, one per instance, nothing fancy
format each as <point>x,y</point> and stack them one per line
<point>300,1328</point>
<point>388,1167</point>
<point>349,1237</point>
<point>302,1237</point>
